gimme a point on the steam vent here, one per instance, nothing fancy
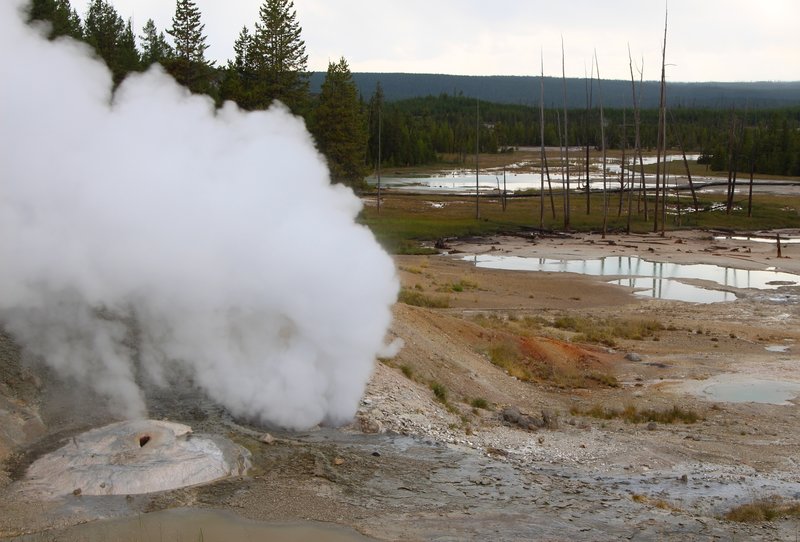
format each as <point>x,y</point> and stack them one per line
<point>134,457</point>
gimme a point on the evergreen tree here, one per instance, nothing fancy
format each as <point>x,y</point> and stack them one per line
<point>188,65</point>
<point>238,80</point>
<point>127,58</point>
<point>112,38</point>
<point>340,127</point>
<point>63,19</point>
<point>155,48</point>
<point>279,57</point>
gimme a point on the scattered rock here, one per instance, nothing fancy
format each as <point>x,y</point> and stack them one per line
<point>267,438</point>
<point>338,461</point>
<point>633,356</point>
<point>370,425</point>
<point>77,491</point>
<point>652,426</point>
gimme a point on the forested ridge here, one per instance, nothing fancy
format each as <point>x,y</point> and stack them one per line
<point>741,125</point>
<point>524,90</point>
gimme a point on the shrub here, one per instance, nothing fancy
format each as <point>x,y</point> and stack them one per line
<point>763,510</point>
<point>419,299</point>
<point>439,391</point>
<point>480,402</point>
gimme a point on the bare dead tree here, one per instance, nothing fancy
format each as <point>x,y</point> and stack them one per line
<point>566,139</point>
<point>589,90</point>
<point>622,163</point>
<point>544,154</point>
<point>677,132</point>
<point>637,129</point>
<point>731,163</point>
<point>477,152</point>
<point>661,144</point>
<point>602,144</point>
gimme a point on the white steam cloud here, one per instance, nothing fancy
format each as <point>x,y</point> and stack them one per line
<point>218,231</point>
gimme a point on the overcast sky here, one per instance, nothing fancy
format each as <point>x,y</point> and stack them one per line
<point>708,40</point>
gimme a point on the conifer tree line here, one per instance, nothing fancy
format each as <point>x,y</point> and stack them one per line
<point>270,63</point>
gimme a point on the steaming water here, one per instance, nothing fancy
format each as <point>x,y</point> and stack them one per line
<point>145,235</point>
<point>656,279</point>
<point>463,181</point>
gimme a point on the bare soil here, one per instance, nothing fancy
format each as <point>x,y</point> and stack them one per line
<point>450,446</point>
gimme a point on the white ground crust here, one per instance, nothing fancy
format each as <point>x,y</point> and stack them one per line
<point>132,457</point>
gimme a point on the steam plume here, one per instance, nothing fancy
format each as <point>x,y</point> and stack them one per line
<point>218,231</point>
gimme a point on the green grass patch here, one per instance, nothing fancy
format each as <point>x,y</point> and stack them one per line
<point>421,299</point>
<point>607,332</point>
<point>405,221</point>
<point>480,402</point>
<point>631,414</point>
<point>439,391</point>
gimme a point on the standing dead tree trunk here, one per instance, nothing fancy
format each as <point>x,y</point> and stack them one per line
<point>637,136</point>
<point>731,164</point>
<point>602,144</point>
<point>661,144</point>
<point>545,169</point>
<point>477,152</point>
<point>589,90</point>
<point>677,132</point>
<point>622,164</point>
<point>566,139</point>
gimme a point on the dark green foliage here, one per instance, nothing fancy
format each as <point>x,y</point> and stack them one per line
<point>439,391</point>
<point>524,90</point>
<point>239,79</point>
<point>188,65</point>
<point>155,48</point>
<point>278,56</point>
<point>63,19</point>
<point>112,38</point>
<point>339,126</point>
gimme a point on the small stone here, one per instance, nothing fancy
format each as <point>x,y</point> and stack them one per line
<point>652,426</point>
<point>633,356</point>
<point>376,454</point>
<point>267,438</point>
<point>338,461</point>
<point>77,492</point>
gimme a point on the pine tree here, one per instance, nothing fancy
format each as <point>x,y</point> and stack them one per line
<point>188,65</point>
<point>112,38</point>
<point>59,13</point>
<point>279,57</point>
<point>339,125</point>
<point>239,77</point>
<point>155,48</point>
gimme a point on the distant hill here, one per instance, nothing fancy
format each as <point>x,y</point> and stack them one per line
<point>524,90</point>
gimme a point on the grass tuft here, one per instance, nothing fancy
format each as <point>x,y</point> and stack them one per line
<point>761,510</point>
<point>633,415</point>
<point>420,299</point>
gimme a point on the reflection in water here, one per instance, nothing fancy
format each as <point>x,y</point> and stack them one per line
<point>659,279</point>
